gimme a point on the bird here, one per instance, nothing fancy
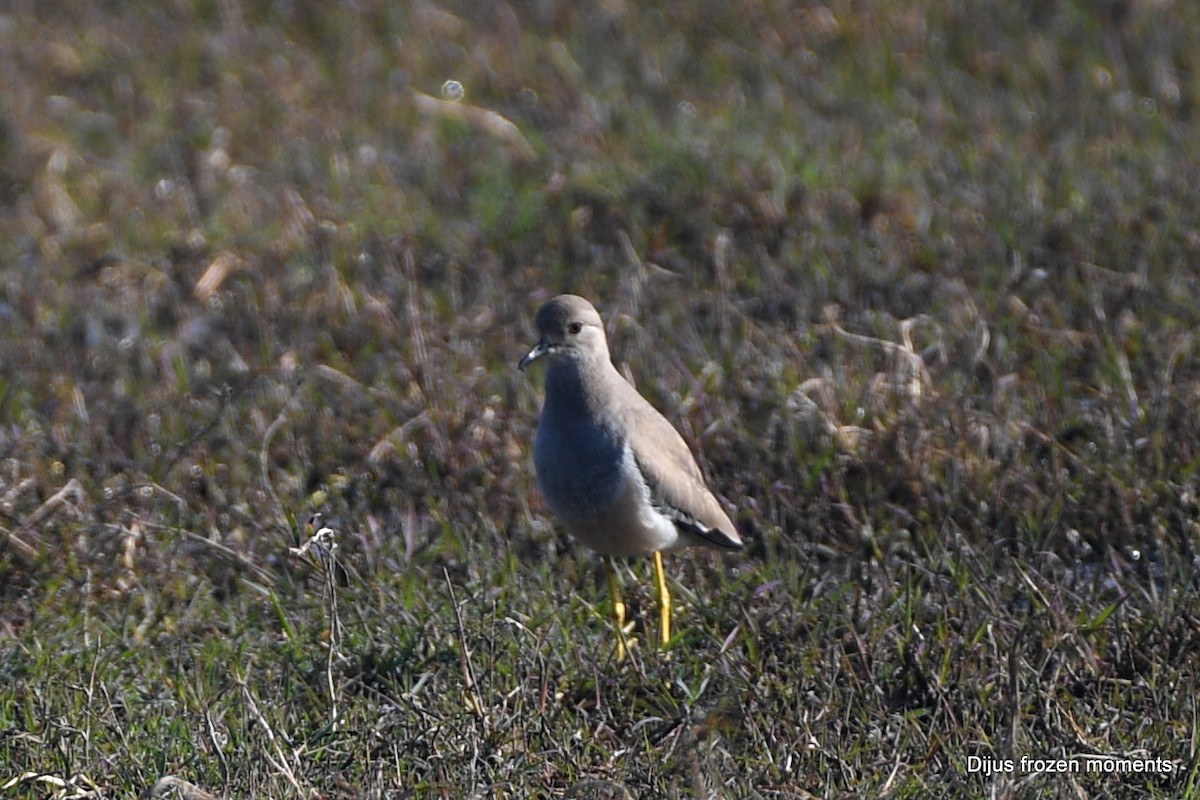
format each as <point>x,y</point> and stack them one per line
<point>612,469</point>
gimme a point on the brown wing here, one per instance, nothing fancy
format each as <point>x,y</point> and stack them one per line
<point>676,485</point>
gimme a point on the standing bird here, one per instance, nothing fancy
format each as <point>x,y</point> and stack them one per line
<point>613,470</point>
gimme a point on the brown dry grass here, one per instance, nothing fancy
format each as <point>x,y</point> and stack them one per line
<point>916,280</point>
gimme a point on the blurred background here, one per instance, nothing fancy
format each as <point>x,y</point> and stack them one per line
<point>917,281</point>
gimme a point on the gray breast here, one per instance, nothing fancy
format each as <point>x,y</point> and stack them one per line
<point>580,465</point>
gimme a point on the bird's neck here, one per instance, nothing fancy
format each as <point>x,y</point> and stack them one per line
<point>580,386</point>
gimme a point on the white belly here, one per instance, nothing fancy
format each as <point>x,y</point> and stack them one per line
<point>625,524</point>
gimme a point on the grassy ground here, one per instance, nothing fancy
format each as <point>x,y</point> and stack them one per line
<point>917,280</point>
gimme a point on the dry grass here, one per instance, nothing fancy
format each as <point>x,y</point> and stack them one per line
<point>916,280</point>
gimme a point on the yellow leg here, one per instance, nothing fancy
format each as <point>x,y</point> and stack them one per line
<point>618,607</point>
<point>664,598</point>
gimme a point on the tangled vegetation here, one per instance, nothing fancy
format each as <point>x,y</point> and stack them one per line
<point>917,281</point>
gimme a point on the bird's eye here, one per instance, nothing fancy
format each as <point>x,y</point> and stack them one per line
<point>574,327</point>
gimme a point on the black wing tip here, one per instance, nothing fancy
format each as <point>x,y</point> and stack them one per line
<point>714,537</point>
<point>726,542</point>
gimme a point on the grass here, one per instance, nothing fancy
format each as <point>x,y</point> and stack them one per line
<point>915,280</point>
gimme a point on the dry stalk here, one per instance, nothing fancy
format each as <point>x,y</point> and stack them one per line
<point>27,551</point>
<point>322,548</point>
<point>280,761</point>
<point>919,378</point>
<point>487,121</point>
<point>170,786</point>
<point>470,687</point>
